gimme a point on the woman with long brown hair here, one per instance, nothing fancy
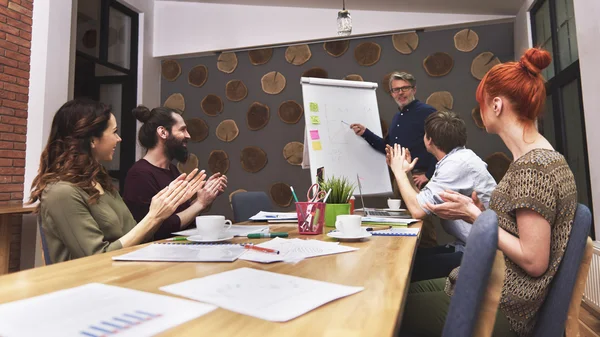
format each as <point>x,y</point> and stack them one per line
<point>81,212</point>
<point>535,202</point>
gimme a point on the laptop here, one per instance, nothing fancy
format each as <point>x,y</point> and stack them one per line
<point>375,212</point>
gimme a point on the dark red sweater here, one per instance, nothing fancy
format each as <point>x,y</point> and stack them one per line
<point>143,181</point>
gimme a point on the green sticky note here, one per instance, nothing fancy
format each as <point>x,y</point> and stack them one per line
<point>317,146</point>
<point>314,107</point>
<point>315,120</point>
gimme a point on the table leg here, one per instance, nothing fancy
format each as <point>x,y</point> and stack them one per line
<point>4,243</point>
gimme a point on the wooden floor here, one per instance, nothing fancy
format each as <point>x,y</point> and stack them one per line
<point>589,322</point>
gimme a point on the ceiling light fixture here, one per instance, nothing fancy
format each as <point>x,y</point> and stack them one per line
<point>344,21</point>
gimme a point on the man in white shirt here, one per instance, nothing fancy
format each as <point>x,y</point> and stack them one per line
<point>458,169</point>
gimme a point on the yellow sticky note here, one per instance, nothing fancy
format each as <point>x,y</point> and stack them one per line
<point>317,146</point>
<point>315,120</point>
<point>314,107</point>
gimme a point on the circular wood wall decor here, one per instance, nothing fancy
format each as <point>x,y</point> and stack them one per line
<point>405,43</point>
<point>293,153</point>
<point>212,105</point>
<point>257,116</point>
<point>281,194</point>
<point>273,82</point>
<point>253,159</point>
<point>298,55</point>
<point>354,77</point>
<point>441,100</point>
<point>234,192</point>
<point>197,128</point>
<point>227,62</point>
<point>476,115</point>
<point>482,63</point>
<point>227,130</point>
<point>367,53</point>
<point>198,75</point>
<point>175,101</point>
<point>336,48</point>
<point>236,90</point>
<point>290,112</point>
<point>190,164</point>
<point>498,163</point>
<point>438,64</point>
<point>170,70</point>
<point>466,40</point>
<point>316,72</point>
<point>260,56</point>
<point>218,161</point>
<point>384,127</point>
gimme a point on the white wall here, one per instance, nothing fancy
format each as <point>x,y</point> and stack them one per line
<point>523,38</point>
<point>587,24</point>
<point>191,28</point>
<point>51,77</point>
<point>148,90</point>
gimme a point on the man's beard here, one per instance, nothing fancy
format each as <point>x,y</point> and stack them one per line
<point>176,149</point>
<point>410,99</point>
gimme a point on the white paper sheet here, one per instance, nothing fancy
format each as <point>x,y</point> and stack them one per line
<point>294,250</point>
<point>397,232</point>
<point>388,220</point>
<point>270,296</point>
<point>265,216</point>
<point>235,230</point>
<point>177,252</point>
<point>96,309</point>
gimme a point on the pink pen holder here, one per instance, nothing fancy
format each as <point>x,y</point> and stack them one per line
<point>311,216</point>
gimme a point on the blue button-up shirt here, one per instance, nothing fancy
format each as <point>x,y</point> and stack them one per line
<point>407,130</point>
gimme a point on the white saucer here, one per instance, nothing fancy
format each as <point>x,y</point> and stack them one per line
<point>199,238</point>
<point>394,209</point>
<point>340,236</point>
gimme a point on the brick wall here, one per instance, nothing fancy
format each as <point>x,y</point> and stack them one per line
<point>15,54</point>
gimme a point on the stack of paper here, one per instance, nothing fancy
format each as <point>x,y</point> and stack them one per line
<point>389,221</point>
<point>294,250</point>
<point>235,230</point>
<point>261,294</point>
<point>397,232</point>
<point>266,216</point>
<point>97,310</point>
<point>175,252</point>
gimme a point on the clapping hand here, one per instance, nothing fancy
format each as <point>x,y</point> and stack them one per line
<point>457,206</point>
<point>215,185</point>
<point>398,157</point>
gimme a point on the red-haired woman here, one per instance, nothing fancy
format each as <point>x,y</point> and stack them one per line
<point>81,212</point>
<point>535,203</point>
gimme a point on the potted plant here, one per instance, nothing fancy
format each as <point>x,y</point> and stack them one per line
<point>338,200</point>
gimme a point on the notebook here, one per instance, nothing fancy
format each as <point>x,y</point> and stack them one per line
<point>397,232</point>
<point>187,252</point>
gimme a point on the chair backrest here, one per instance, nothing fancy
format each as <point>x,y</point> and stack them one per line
<point>246,204</point>
<point>553,313</point>
<point>45,251</point>
<point>471,289</point>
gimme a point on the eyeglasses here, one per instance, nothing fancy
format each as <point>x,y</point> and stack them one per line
<point>403,89</point>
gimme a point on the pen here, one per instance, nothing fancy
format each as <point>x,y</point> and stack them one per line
<point>294,194</point>
<point>345,123</point>
<point>260,249</point>
<point>267,235</point>
<point>179,238</point>
<point>370,229</point>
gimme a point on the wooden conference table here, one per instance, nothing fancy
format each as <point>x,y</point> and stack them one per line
<point>382,266</point>
<point>6,211</point>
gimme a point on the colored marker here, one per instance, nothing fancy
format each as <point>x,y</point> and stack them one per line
<point>179,238</point>
<point>267,235</point>
<point>294,194</point>
<point>345,123</point>
<point>260,249</point>
<point>370,229</point>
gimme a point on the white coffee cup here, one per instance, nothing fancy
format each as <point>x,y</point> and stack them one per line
<point>394,203</point>
<point>348,225</point>
<point>210,227</point>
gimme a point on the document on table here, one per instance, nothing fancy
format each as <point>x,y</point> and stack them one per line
<point>96,309</point>
<point>265,216</point>
<point>184,252</point>
<point>235,230</point>
<point>261,294</point>
<point>391,221</point>
<point>294,250</point>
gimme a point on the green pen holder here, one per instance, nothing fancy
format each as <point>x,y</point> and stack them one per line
<point>333,210</point>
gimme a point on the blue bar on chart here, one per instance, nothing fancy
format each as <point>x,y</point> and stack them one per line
<point>119,323</point>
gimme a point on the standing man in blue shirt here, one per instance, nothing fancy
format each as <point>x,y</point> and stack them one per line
<point>407,128</point>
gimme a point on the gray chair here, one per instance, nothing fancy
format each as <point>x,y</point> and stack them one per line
<point>45,251</point>
<point>573,270</point>
<point>473,307</point>
<point>246,204</point>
